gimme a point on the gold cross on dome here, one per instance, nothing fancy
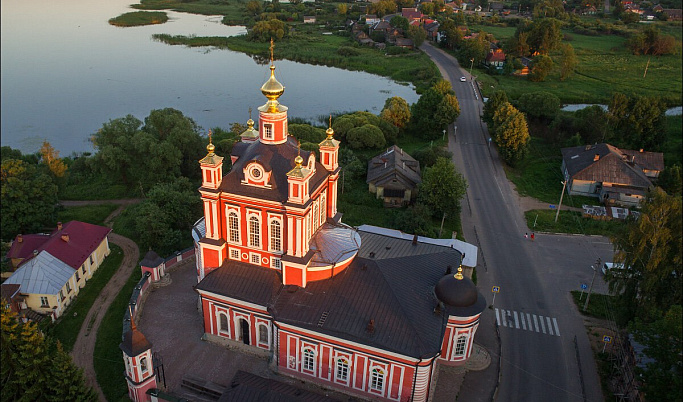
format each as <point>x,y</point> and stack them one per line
<point>272,48</point>
<point>249,112</point>
<point>210,136</point>
<point>330,120</point>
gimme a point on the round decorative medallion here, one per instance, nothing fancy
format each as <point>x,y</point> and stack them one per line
<point>256,173</point>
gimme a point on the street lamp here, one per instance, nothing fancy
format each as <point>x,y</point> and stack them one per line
<point>471,65</point>
<point>564,185</point>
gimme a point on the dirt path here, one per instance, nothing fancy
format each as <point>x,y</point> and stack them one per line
<point>84,347</point>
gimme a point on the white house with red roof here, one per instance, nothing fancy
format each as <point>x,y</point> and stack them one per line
<point>52,268</point>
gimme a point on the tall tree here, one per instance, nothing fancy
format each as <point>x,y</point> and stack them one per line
<point>592,123</point>
<point>511,133</point>
<point>28,198</point>
<point>545,35</point>
<point>396,111</point>
<point>417,34</point>
<point>50,157</point>
<point>650,248</point>
<point>492,104</point>
<point>434,111</point>
<point>542,67</point>
<point>539,105</point>
<point>66,381</point>
<point>568,61</point>
<point>442,188</point>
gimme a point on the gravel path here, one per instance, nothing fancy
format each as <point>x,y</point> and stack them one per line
<point>84,347</point>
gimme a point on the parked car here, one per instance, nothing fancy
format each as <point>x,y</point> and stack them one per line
<point>610,266</point>
<point>463,79</point>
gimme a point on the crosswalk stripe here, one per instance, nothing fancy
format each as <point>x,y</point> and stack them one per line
<point>504,318</point>
<point>540,318</point>
<point>516,323</point>
<point>497,318</point>
<point>557,330</point>
<point>528,319</point>
<point>550,327</point>
<point>521,318</point>
<point>535,323</point>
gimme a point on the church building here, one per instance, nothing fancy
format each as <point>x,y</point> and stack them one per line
<point>367,311</point>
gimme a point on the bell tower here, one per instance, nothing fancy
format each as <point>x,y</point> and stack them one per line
<point>137,356</point>
<point>329,157</point>
<point>272,115</point>
<point>211,246</point>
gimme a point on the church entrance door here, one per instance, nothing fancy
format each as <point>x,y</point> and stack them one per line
<point>244,329</point>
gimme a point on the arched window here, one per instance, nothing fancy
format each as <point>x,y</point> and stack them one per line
<point>143,365</point>
<point>460,345</point>
<point>275,235</point>
<point>254,234</point>
<point>263,334</point>
<point>342,373</point>
<point>377,380</point>
<point>323,209</point>
<point>309,359</point>
<point>234,227</point>
<point>315,217</point>
<point>223,324</point>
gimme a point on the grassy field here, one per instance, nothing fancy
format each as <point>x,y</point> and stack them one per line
<point>139,18</point>
<point>597,306</point>
<point>605,66</point>
<point>315,48</point>
<point>569,222</point>
<point>66,328</point>
<point>98,188</point>
<point>95,214</point>
<point>109,367</point>
<point>233,10</point>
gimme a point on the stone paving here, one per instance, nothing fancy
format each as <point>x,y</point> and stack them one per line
<point>172,322</point>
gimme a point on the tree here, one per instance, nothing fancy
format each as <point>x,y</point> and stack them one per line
<point>66,381</point>
<point>592,124</point>
<point>342,9</point>
<point>511,133</point>
<point>417,34</point>
<point>396,111</point>
<point>427,8</point>
<point>400,23</point>
<point>451,36</point>
<point>539,105</point>
<point>306,133</point>
<point>650,41</point>
<point>442,188</point>
<point>651,249</point>
<point>542,67</point>
<point>429,155</point>
<point>50,157</point>
<point>366,136</point>
<point>662,339</point>
<point>492,104</point>
<point>263,31</point>
<point>342,125</point>
<point>475,48</point>
<point>28,198</point>
<point>545,35</point>
<point>518,45</point>
<point>670,180</point>
<point>434,111</point>
<point>416,220</point>
<point>383,7</point>
<point>254,7</point>
<point>568,61</point>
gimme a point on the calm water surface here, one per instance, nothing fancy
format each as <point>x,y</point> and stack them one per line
<point>66,71</point>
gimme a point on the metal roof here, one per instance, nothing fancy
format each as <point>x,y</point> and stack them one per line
<point>44,274</point>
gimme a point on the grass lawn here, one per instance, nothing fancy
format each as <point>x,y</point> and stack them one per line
<point>98,188</point>
<point>66,328</point>
<point>570,222</point>
<point>109,367</point>
<point>139,18</point>
<point>233,10</point>
<point>95,214</point>
<point>597,306</point>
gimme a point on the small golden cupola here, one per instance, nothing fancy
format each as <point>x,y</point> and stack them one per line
<point>250,134</point>
<point>272,115</point>
<point>329,150</point>
<point>298,181</point>
<point>212,167</point>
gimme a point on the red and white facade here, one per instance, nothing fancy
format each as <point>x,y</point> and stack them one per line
<point>286,236</point>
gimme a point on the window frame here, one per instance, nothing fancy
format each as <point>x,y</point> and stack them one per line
<point>377,379</point>
<point>275,243</point>
<point>268,131</point>
<point>308,357</point>
<point>458,344</point>
<point>233,226</point>
<point>44,302</point>
<point>263,328</point>
<point>220,316</point>
<point>254,231</point>
<point>341,365</point>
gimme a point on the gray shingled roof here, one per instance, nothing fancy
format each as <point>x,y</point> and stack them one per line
<point>394,163</point>
<point>43,274</point>
<point>610,167</point>
<point>247,387</point>
<point>243,281</point>
<point>275,158</point>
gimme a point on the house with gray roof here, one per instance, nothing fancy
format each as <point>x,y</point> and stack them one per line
<point>394,176</point>
<point>613,175</point>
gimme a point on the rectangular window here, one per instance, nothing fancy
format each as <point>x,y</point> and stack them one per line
<point>309,360</point>
<point>61,294</point>
<point>263,334</point>
<point>323,209</point>
<point>268,131</point>
<point>342,370</point>
<point>68,287</point>
<point>92,260</point>
<point>44,302</point>
<point>234,254</point>
<point>83,268</point>
<point>234,226</point>
<point>275,235</point>
<point>256,259</point>
<point>254,232</point>
<point>377,380</point>
<point>460,345</point>
<point>78,277</point>
<point>275,263</point>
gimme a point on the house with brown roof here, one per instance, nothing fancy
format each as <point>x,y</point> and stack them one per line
<point>495,58</point>
<point>51,269</point>
<point>613,175</point>
<point>412,14</point>
<point>394,177</point>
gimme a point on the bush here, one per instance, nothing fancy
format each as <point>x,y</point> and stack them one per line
<point>307,133</point>
<point>347,51</point>
<point>366,136</point>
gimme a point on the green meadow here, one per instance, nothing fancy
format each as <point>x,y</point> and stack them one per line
<point>139,18</point>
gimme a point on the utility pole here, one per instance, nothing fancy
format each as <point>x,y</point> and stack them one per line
<point>471,65</point>
<point>442,219</point>
<point>590,289</point>
<point>646,66</point>
<point>564,185</point>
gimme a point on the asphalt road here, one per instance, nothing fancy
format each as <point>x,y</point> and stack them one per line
<point>545,354</point>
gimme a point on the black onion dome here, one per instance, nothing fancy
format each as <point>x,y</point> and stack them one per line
<point>456,292</point>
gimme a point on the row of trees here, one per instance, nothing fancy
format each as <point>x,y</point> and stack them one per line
<point>509,128</point>
<point>34,367</point>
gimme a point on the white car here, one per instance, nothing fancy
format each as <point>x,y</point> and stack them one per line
<point>463,79</point>
<point>611,265</point>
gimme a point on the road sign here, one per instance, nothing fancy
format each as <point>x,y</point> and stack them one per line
<point>495,289</point>
<point>551,206</point>
<point>584,286</point>
<point>607,339</point>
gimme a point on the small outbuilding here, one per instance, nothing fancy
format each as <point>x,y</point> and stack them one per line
<point>394,176</point>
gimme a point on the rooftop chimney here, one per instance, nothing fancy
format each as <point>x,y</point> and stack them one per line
<point>404,165</point>
<point>385,165</point>
<point>596,158</point>
<point>65,237</point>
<point>641,150</point>
<point>415,240</point>
<point>449,270</point>
<point>371,326</point>
<point>59,225</point>
<point>20,238</point>
<point>35,253</point>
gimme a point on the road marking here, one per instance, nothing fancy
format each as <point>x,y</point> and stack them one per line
<point>506,318</point>
<point>557,329</point>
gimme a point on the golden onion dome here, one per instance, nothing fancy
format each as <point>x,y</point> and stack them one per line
<point>272,89</point>
<point>210,148</point>
<point>298,160</point>
<point>330,133</point>
<point>250,122</point>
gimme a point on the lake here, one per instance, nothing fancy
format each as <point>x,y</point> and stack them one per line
<point>65,71</point>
